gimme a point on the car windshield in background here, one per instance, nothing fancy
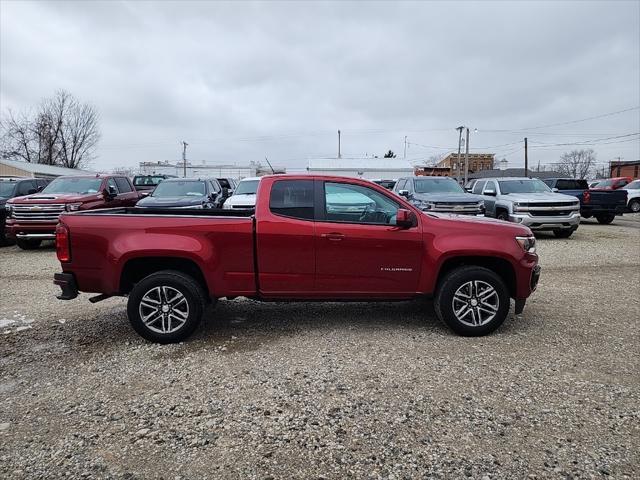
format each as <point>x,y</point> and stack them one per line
<point>572,184</point>
<point>74,185</point>
<point>7,188</point>
<point>437,185</point>
<point>523,186</point>
<point>147,181</point>
<point>606,183</point>
<point>179,189</point>
<point>248,187</point>
<point>633,185</point>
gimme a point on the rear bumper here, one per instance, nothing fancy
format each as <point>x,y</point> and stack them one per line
<point>67,283</point>
<point>535,222</point>
<point>592,211</point>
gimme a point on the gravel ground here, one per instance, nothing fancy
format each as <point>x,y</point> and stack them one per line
<point>330,390</point>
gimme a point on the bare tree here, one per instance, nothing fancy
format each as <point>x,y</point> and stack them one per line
<point>62,132</point>
<point>435,159</point>
<point>577,163</point>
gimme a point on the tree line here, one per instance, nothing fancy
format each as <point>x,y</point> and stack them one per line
<point>61,131</point>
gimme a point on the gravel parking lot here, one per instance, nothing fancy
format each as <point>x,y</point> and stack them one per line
<point>330,390</point>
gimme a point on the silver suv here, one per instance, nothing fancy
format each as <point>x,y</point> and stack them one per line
<point>530,202</point>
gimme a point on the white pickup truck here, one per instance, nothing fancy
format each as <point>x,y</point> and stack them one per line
<point>529,202</point>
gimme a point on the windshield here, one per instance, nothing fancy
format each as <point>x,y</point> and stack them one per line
<point>437,185</point>
<point>7,188</point>
<point>247,187</point>
<point>81,185</point>
<point>180,188</point>
<point>633,185</point>
<point>523,186</point>
<point>146,181</point>
<point>606,183</point>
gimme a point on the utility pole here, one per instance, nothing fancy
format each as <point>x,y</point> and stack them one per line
<point>405,147</point>
<point>466,159</point>
<point>526,158</point>
<point>184,159</point>
<point>339,154</point>
<point>459,146</point>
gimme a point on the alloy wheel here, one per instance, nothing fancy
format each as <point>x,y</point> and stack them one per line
<point>164,309</point>
<point>475,303</point>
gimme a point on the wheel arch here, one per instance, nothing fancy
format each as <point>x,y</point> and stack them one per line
<point>499,266</point>
<point>137,268</point>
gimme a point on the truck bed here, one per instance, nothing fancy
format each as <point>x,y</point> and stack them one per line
<point>106,243</point>
<point>171,212</point>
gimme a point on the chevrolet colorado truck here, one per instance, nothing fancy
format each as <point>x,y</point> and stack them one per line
<point>33,218</point>
<point>602,204</point>
<point>528,201</point>
<point>310,238</point>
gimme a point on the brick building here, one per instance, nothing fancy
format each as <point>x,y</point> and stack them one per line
<point>477,162</point>
<point>625,169</point>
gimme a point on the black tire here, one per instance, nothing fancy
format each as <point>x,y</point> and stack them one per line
<point>168,281</point>
<point>634,205</point>
<point>5,242</point>
<point>563,233</point>
<point>28,244</point>
<point>605,219</point>
<point>457,279</point>
<point>503,215</point>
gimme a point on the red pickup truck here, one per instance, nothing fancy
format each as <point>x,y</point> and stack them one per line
<point>33,218</point>
<point>311,238</point>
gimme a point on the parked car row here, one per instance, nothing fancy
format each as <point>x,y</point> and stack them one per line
<point>30,208</point>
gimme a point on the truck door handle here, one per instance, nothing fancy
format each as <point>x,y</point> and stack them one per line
<point>333,236</point>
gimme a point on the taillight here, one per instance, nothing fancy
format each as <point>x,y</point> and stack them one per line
<point>63,244</point>
<point>586,196</point>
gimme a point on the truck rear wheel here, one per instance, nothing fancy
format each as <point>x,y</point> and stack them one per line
<point>28,244</point>
<point>472,301</point>
<point>634,205</point>
<point>605,219</point>
<point>166,307</point>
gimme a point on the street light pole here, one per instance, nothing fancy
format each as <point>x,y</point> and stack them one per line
<point>466,159</point>
<point>459,147</point>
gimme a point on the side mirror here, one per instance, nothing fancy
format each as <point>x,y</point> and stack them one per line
<point>403,193</point>
<point>40,188</point>
<point>554,189</point>
<point>491,193</point>
<point>32,191</point>
<point>110,192</point>
<point>405,218</point>
<point>225,192</point>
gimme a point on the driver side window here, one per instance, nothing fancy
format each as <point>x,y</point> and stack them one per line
<point>112,183</point>
<point>357,204</point>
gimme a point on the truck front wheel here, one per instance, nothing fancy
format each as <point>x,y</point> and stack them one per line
<point>472,301</point>
<point>634,205</point>
<point>166,307</point>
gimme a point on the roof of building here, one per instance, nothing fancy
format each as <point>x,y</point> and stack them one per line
<point>366,163</point>
<point>39,168</point>
<point>512,172</point>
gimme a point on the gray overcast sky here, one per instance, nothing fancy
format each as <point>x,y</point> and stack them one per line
<point>241,81</point>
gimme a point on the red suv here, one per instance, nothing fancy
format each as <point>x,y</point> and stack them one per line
<point>33,218</point>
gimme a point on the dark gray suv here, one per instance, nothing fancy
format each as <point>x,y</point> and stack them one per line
<point>440,195</point>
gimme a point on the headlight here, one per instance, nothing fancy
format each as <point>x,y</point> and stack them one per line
<point>426,205</point>
<point>7,209</point>
<point>528,244</point>
<point>72,207</point>
<point>481,204</point>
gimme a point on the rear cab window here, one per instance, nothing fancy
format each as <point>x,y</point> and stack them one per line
<point>293,198</point>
